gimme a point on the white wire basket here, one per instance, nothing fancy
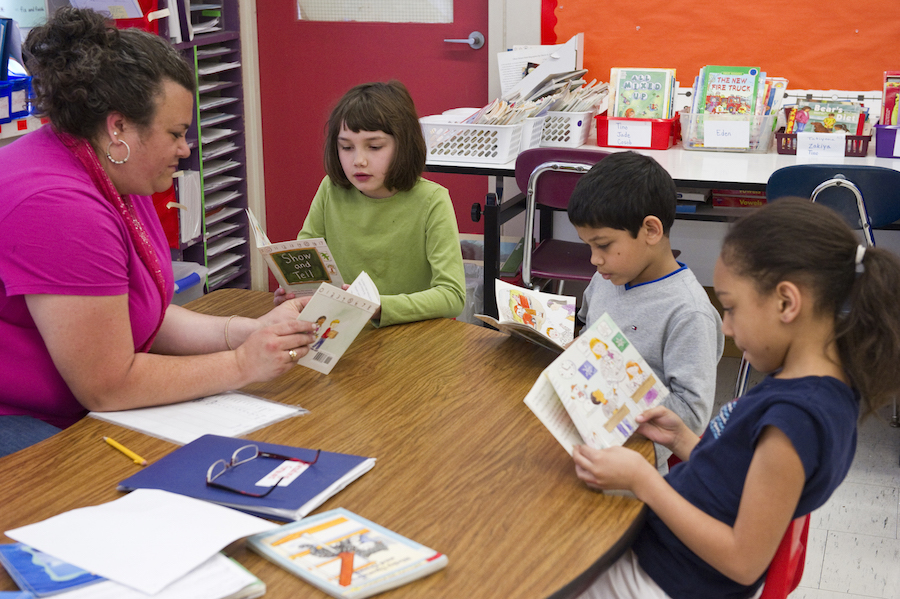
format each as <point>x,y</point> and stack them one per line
<point>461,142</point>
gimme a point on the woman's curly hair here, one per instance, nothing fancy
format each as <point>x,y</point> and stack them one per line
<point>83,68</point>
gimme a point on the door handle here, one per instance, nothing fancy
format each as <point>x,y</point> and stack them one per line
<point>475,40</point>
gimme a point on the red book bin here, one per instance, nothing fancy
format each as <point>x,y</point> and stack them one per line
<point>663,132</point>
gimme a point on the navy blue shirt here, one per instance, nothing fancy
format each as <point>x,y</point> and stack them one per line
<point>818,415</point>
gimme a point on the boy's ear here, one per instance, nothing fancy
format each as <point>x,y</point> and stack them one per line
<point>653,228</point>
<point>790,301</point>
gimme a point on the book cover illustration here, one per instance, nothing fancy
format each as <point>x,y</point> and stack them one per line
<point>41,574</point>
<point>299,266</point>
<point>827,117</point>
<point>728,90</point>
<point>642,93</point>
<point>543,318</point>
<point>346,555</point>
<point>339,315</point>
<point>594,390</point>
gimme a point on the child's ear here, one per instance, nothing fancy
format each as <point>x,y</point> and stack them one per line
<point>653,228</point>
<point>790,301</point>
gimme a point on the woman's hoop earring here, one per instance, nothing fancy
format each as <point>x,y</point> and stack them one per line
<point>127,154</point>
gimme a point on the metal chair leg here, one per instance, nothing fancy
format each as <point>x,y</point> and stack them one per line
<point>895,419</point>
<point>743,378</point>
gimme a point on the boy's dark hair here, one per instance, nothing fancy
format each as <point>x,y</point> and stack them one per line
<point>83,68</point>
<point>385,107</point>
<point>812,246</point>
<point>622,190</point>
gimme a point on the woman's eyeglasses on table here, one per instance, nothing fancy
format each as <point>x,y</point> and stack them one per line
<point>242,455</point>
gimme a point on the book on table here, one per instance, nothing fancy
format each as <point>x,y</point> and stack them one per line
<point>345,555</point>
<point>298,489</point>
<point>39,574</point>
<point>300,265</point>
<point>593,391</point>
<point>546,319</point>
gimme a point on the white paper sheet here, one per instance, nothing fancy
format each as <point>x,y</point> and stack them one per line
<point>230,414</point>
<point>146,540</point>
<point>217,577</point>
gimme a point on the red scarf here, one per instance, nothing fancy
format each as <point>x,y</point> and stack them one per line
<point>84,152</point>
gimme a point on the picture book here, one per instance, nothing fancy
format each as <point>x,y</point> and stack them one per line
<point>594,390</point>
<point>339,316</point>
<point>543,318</point>
<point>41,574</point>
<point>813,116</point>
<point>642,93</point>
<point>346,555</point>
<point>299,266</point>
<point>890,98</point>
<point>727,90</point>
<point>299,488</point>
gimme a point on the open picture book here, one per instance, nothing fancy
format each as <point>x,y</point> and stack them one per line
<point>593,391</point>
<point>346,555</point>
<point>299,266</point>
<point>543,318</point>
<point>339,316</point>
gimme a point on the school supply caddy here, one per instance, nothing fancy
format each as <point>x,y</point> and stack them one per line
<point>300,265</point>
<point>345,555</point>
<point>268,480</point>
<point>542,318</point>
<point>339,316</point>
<point>593,391</point>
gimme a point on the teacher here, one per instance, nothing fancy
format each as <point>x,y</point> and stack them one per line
<point>85,273</point>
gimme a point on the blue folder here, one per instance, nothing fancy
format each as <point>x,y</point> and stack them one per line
<point>184,471</point>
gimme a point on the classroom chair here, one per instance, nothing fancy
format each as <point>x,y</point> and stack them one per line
<point>868,197</point>
<point>548,177</point>
<point>786,569</point>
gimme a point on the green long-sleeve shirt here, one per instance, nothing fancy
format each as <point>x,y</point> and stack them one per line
<point>408,243</point>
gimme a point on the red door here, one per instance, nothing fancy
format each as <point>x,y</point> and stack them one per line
<point>305,67</point>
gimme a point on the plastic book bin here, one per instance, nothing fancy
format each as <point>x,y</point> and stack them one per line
<point>532,129</point>
<point>5,89</point>
<point>761,131</point>
<point>20,90</point>
<point>885,141</point>
<point>461,142</point>
<point>190,278</point>
<point>566,129</point>
<point>663,132</point>
<point>856,145</point>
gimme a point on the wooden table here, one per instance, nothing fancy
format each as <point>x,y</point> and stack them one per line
<point>462,465</point>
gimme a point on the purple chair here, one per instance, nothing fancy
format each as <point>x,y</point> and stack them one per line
<point>548,177</point>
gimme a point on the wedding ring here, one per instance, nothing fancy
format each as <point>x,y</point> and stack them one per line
<point>293,355</point>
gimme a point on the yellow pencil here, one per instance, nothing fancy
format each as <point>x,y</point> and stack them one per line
<point>137,459</point>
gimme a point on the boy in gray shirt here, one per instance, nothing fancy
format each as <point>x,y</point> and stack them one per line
<point>624,208</point>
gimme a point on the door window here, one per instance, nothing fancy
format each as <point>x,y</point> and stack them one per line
<point>384,11</point>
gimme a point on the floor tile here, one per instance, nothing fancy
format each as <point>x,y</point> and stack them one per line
<point>860,508</point>
<point>862,565</point>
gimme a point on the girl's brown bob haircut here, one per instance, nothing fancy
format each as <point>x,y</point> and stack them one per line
<point>385,107</point>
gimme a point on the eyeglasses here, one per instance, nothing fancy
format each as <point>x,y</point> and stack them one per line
<point>242,455</point>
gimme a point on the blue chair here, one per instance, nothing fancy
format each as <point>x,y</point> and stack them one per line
<point>548,176</point>
<point>868,197</point>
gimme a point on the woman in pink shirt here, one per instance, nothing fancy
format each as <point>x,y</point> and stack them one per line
<point>85,273</point>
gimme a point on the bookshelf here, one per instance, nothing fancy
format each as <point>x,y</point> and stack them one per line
<point>217,140</point>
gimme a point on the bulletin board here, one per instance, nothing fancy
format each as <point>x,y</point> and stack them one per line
<point>814,44</point>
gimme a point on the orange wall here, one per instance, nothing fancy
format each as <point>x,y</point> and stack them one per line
<point>820,44</point>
